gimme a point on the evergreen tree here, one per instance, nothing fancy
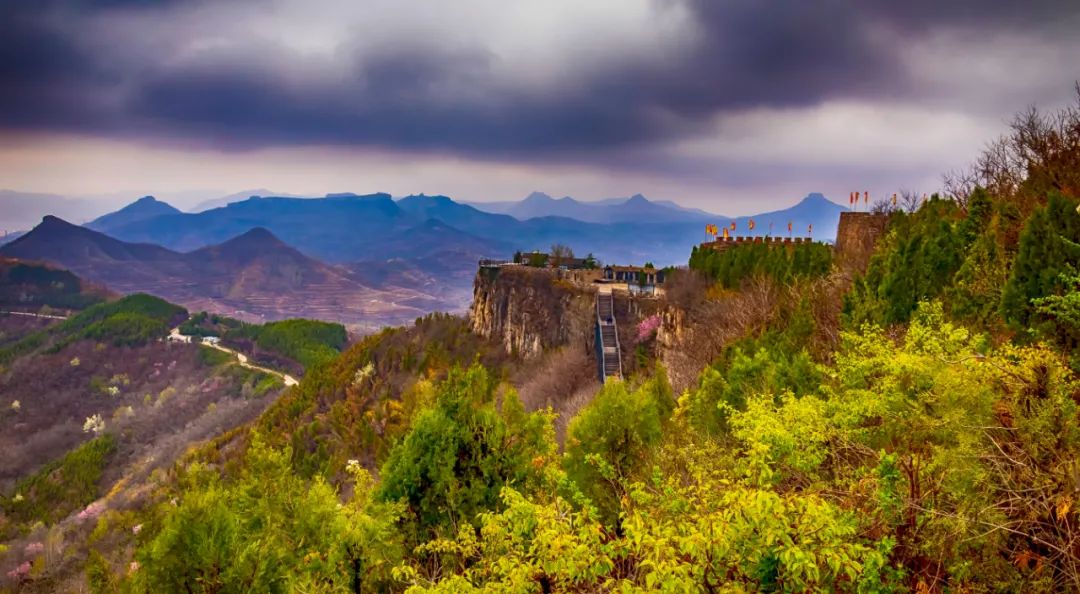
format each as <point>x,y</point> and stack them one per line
<point>461,452</point>
<point>1048,249</point>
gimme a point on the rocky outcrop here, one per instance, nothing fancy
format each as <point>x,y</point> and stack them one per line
<point>530,311</point>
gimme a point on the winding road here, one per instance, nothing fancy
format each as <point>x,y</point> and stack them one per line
<point>174,334</point>
<point>32,315</point>
<point>241,358</point>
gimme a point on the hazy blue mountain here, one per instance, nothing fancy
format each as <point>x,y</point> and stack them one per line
<point>426,246</point>
<point>347,228</point>
<point>254,276</point>
<point>19,211</point>
<point>456,214</point>
<point>636,208</point>
<point>144,208</point>
<point>237,197</point>
<point>814,210</point>
<point>677,206</point>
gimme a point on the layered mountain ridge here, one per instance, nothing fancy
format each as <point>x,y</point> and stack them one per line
<point>253,276</point>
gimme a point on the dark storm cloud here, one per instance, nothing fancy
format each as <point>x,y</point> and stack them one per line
<point>422,94</point>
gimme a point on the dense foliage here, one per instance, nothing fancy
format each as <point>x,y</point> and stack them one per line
<point>462,451</point>
<point>61,487</point>
<point>268,531</point>
<point>924,253</point>
<point>309,342</point>
<point>1048,250</point>
<point>32,285</point>
<point>778,262</point>
<point>207,324</point>
<point>131,320</point>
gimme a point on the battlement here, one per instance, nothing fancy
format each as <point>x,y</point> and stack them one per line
<point>725,243</point>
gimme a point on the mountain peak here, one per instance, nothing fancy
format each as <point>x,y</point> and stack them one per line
<point>537,197</point>
<point>260,233</point>
<point>813,197</point>
<point>144,208</point>
<point>149,202</point>
<point>255,243</point>
<point>637,199</point>
<point>256,237</point>
<point>51,220</point>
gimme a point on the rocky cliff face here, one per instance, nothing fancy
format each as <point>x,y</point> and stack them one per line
<point>529,311</point>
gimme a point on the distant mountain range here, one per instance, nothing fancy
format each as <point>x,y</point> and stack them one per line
<point>237,197</point>
<point>404,256</point>
<point>634,209</point>
<point>253,276</point>
<point>347,228</point>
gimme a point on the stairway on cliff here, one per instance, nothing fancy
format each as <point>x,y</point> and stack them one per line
<point>608,353</point>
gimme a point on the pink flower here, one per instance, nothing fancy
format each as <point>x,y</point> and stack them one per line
<point>136,528</point>
<point>20,571</point>
<point>648,327</point>
<point>35,548</point>
<point>92,511</point>
<point>133,567</point>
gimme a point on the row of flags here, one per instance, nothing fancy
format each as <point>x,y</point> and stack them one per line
<point>853,199</point>
<point>716,231</point>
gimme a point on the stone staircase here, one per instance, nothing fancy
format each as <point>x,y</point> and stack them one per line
<point>608,353</point>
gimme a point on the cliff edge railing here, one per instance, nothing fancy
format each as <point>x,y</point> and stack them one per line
<point>608,353</point>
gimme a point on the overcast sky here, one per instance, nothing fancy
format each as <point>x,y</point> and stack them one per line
<point>733,106</point>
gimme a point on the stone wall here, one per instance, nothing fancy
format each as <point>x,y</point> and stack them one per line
<point>856,237</point>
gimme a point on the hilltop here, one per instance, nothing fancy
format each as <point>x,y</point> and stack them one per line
<point>146,207</point>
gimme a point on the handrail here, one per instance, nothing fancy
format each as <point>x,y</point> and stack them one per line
<point>618,347</point>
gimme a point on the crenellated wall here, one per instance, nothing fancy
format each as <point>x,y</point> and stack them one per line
<point>723,243</point>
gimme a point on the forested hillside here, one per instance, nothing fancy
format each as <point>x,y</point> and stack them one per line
<point>914,428</point>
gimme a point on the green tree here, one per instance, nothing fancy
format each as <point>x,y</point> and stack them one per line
<point>611,440</point>
<point>1048,249</point>
<point>462,451</point>
<point>270,531</point>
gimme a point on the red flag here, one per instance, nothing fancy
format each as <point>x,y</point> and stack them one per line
<point>789,227</point>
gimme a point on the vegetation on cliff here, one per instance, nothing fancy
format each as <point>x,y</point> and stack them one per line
<point>779,263</point>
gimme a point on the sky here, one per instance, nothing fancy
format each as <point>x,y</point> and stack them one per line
<point>735,106</point>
